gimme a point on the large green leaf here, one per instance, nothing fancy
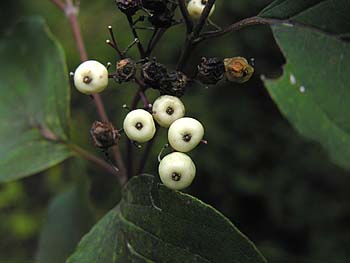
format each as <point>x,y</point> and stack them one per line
<point>313,92</point>
<point>330,16</point>
<point>155,224</point>
<point>69,218</point>
<point>34,98</point>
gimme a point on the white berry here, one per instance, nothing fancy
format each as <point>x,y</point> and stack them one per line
<point>167,109</point>
<point>185,134</point>
<point>91,77</point>
<point>195,8</point>
<point>139,126</point>
<point>177,171</point>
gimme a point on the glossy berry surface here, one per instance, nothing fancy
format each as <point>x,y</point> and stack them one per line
<point>177,171</point>
<point>185,134</point>
<point>91,77</point>
<point>167,109</point>
<point>139,126</point>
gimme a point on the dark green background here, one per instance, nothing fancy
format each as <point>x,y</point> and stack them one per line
<point>279,189</point>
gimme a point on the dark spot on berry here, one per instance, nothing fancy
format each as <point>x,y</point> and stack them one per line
<point>104,135</point>
<point>187,137</point>
<point>176,177</point>
<point>170,111</point>
<point>87,80</point>
<point>139,126</point>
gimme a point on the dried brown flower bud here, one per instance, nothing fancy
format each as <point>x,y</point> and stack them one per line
<point>104,135</point>
<point>174,84</point>
<point>211,70</point>
<point>152,73</point>
<point>125,70</point>
<point>238,69</point>
<point>129,7</point>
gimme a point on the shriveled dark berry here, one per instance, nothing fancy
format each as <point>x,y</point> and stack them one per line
<point>129,7</point>
<point>152,73</point>
<point>162,20</point>
<point>125,70</point>
<point>104,135</point>
<point>211,70</point>
<point>174,84</point>
<point>155,6</point>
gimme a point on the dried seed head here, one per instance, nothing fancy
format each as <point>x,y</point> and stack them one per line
<point>174,84</point>
<point>125,70</point>
<point>162,20</point>
<point>152,72</point>
<point>211,70</point>
<point>238,69</point>
<point>129,7</point>
<point>104,135</point>
<point>155,6</point>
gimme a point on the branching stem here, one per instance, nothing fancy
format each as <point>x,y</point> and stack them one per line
<point>192,35</point>
<point>136,36</point>
<point>71,11</point>
<point>94,159</point>
<point>255,20</point>
<point>186,16</point>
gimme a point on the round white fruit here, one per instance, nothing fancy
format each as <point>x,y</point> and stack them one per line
<point>195,8</point>
<point>167,109</point>
<point>139,126</point>
<point>185,134</point>
<point>177,171</point>
<point>91,77</point>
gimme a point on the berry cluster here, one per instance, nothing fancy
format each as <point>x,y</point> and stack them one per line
<point>176,169</point>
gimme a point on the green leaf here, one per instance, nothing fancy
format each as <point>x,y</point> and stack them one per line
<point>155,224</point>
<point>34,100</point>
<point>69,218</point>
<point>330,16</point>
<point>313,92</point>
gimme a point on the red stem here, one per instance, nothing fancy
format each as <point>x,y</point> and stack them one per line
<point>59,4</point>
<point>71,12</point>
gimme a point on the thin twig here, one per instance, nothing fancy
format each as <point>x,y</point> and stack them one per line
<point>203,18</point>
<point>147,152</point>
<point>115,43</point>
<point>129,143</point>
<point>190,37</point>
<point>141,93</point>
<point>94,159</point>
<point>136,36</point>
<point>186,16</point>
<point>155,41</point>
<point>154,35</point>
<point>255,20</point>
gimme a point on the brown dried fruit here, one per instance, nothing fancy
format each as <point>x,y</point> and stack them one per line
<point>129,7</point>
<point>125,70</point>
<point>211,70</point>
<point>152,73</point>
<point>174,84</point>
<point>104,135</point>
<point>238,69</point>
